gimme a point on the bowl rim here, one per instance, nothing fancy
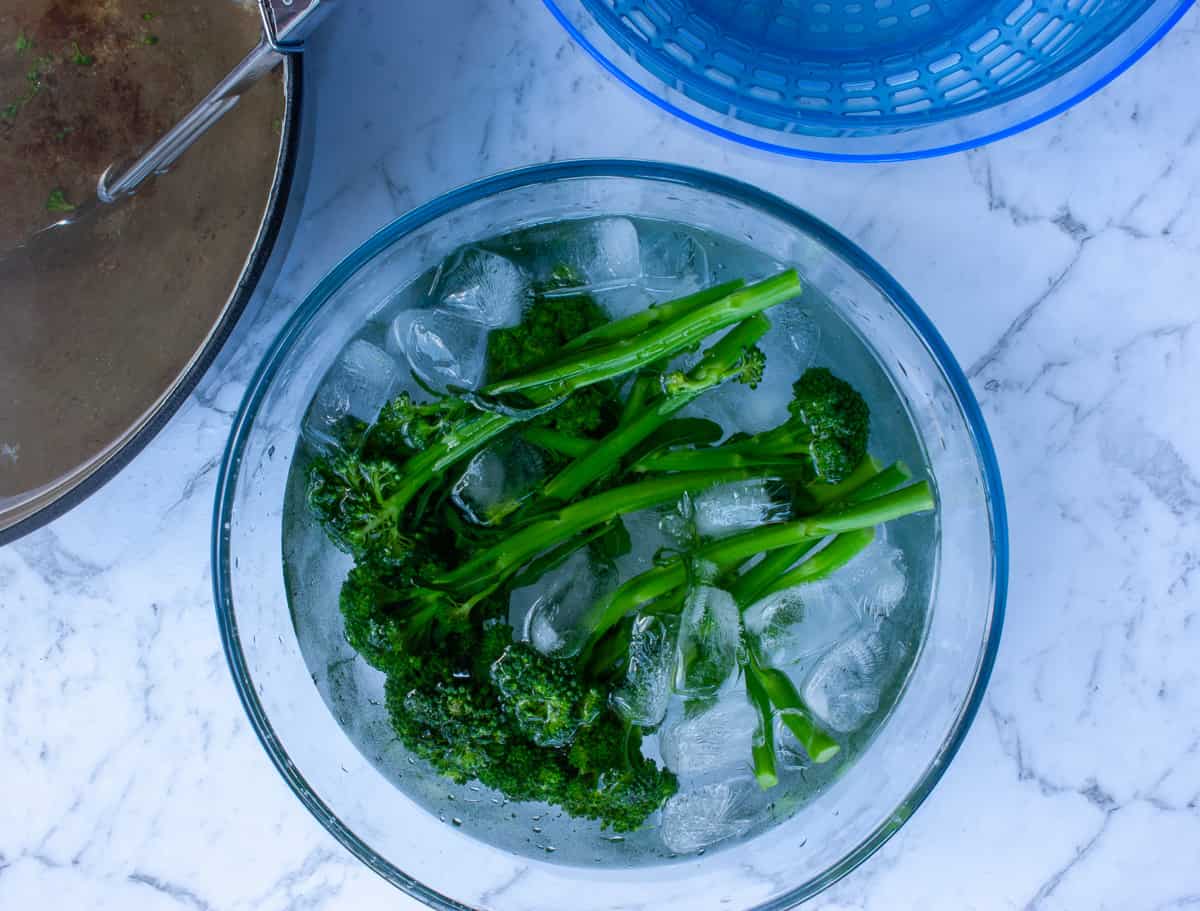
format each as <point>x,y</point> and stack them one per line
<point>602,168</point>
<point>647,85</point>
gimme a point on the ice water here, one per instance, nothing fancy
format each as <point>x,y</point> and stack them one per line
<point>848,644</point>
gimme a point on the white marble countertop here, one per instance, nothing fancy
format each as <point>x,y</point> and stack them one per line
<point>1063,267</point>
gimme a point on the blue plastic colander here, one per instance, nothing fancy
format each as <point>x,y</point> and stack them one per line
<point>867,79</point>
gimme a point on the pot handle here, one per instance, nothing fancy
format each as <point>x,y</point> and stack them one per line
<point>286,23</point>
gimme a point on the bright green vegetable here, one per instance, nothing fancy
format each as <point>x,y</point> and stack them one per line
<point>729,553</point>
<point>732,358</point>
<point>448,708</point>
<point>549,325</point>
<point>828,425</point>
<point>762,746</point>
<point>661,341</point>
<point>462,433</point>
<point>545,697</point>
<point>427,599</point>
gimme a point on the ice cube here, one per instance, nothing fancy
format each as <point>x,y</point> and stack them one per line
<point>648,542</point>
<point>680,532</point>
<point>845,687</point>
<point>710,637</point>
<point>678,525</point>
<point>644,696</point>
<point>697,819</point>
<point>789,751</point>
<point>708,737</point>
<point>674,262</point>
<point>497,480</point>
<point>618,303</point>
<point>803,336</point>
<point>876,579</point>
<point>358,385</point>
<point>445,350</point>
<point>800,623</point>
<point>729,508</point>
<point>550,610</point>
<point>600,253</point>
<point>484,287</point>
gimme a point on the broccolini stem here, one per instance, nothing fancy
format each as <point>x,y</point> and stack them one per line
<point>501,559</point>
<point>781,693</point>
<point>557,555</point>
<point>595,366</point>
<point>469,437</point>
<point>896,504</point>
<point>669,605</point>
<point>612,648</point>
<point>730,552</point>
<point>824,494</point>
<point>751,586</point>
<point>771,447</point>
<point>652,317</point>
<point>643,388</point>
<point>719,364</point>
<point>707,459</point>
<point>869,480</point>
<point>823,564</point>
<point>587,368</point>
<point>770,575</point>
<point>840,551</point>
<point>762,744</point>
<point>557,442</point>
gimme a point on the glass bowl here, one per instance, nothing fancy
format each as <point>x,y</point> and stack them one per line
<point>866,80</point>
<point>429,856</point>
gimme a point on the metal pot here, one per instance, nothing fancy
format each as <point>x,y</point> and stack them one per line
<point>97,355</point>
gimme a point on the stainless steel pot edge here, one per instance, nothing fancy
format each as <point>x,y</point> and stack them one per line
<point>55,501</point>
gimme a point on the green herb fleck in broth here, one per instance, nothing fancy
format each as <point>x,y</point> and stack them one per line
<point>57,202</point>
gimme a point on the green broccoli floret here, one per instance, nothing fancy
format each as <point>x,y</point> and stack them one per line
<point>405,427</point>
<point>589,413</point>
<point>544,696</point>
<point>607,744</point>
<point>621,799</point>
<point>386,611</point>
<point>836,420</point>
<point>616,782</point>
<point>747,369</point>
<point>358,489</point>
<point>446,709</point>
<point>365,598</point>
<point>350,495</point>
<point>548,325</point>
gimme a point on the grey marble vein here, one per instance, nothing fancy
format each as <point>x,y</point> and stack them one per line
<point>183,896</point>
